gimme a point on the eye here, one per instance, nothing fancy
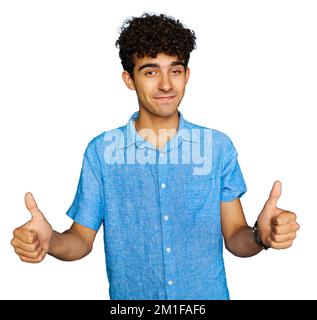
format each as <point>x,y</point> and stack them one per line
<point>150,73</point>
<point>177,71</point>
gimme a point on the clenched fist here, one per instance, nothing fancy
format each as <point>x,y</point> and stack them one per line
<point>31,241</point>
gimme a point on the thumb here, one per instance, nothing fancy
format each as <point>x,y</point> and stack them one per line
<point>274,194</point>
<point>32,207</point>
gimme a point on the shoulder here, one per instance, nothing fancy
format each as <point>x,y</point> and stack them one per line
<point>219,138</point>
<point>106,137</point>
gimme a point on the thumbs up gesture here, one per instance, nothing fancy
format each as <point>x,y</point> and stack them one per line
<point>31,241</point>
<point>277,227</point>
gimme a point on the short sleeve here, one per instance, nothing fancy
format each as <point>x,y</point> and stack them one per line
<point>232,182</point>
<point>88,205</point>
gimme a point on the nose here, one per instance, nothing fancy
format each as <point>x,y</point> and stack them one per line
<point>165,83</point>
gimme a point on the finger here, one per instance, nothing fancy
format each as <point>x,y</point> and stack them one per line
<point>292,226</point>
<point>25,235</point>
<point>281,245</point>
<point>27,254</point>
<point>284,217</point>
<point>37,260</point>
<point>31,205</point>
<point>17,243</point>
<point>283,237</point>
<point>274,194</point>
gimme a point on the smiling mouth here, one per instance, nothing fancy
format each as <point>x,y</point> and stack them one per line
<point>165,99</point>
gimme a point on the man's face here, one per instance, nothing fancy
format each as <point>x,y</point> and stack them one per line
<point>159,83</point>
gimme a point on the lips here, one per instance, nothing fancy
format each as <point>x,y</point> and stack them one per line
<point>165,99</point>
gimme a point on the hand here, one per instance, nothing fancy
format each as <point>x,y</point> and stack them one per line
<point>277,227</point>
<point>31,241</point>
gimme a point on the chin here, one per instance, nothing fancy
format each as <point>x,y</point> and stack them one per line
<point>166,112</point>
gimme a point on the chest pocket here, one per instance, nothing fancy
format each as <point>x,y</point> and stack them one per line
<point>199,194</point>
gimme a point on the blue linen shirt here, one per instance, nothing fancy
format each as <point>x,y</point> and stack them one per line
<point>161,219</point>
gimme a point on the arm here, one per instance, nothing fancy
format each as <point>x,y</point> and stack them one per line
<point>73,244</point>
<point>238,236</point>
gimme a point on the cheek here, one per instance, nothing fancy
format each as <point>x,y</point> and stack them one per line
<point>149,89</point>
<point>180,85</point>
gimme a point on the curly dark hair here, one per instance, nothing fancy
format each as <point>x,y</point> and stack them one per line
<point>151,34</point>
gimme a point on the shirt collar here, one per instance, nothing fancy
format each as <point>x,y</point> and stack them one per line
<point>133,137</point>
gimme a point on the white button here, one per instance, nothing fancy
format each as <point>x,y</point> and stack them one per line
<point>165,217</point>
<point>168,250</point>
<point>163,185</point>
<point>170,282</point>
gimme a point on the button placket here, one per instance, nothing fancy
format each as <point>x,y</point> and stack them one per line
<point>166,197</point>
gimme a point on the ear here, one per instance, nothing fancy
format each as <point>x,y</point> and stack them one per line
<point>187,74</point>
<point>126,77</point>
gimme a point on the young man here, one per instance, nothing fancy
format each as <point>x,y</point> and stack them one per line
<point>165,208</point>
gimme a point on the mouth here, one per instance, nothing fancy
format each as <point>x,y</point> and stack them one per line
<point>165,99</point>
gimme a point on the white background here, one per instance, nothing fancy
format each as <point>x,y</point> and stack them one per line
<point>253,76</point>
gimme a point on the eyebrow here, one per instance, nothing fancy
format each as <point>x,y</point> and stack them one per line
<point>155,65</point>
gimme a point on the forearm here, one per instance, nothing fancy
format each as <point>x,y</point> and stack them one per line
<point>242,244</point>
<point>68,246</point>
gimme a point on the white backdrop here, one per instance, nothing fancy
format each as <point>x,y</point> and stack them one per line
<point>253,76</point>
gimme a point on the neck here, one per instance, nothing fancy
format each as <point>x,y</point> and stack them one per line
<point>155,129</point>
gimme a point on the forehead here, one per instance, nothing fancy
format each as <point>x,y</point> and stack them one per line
<point>161,59</point>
